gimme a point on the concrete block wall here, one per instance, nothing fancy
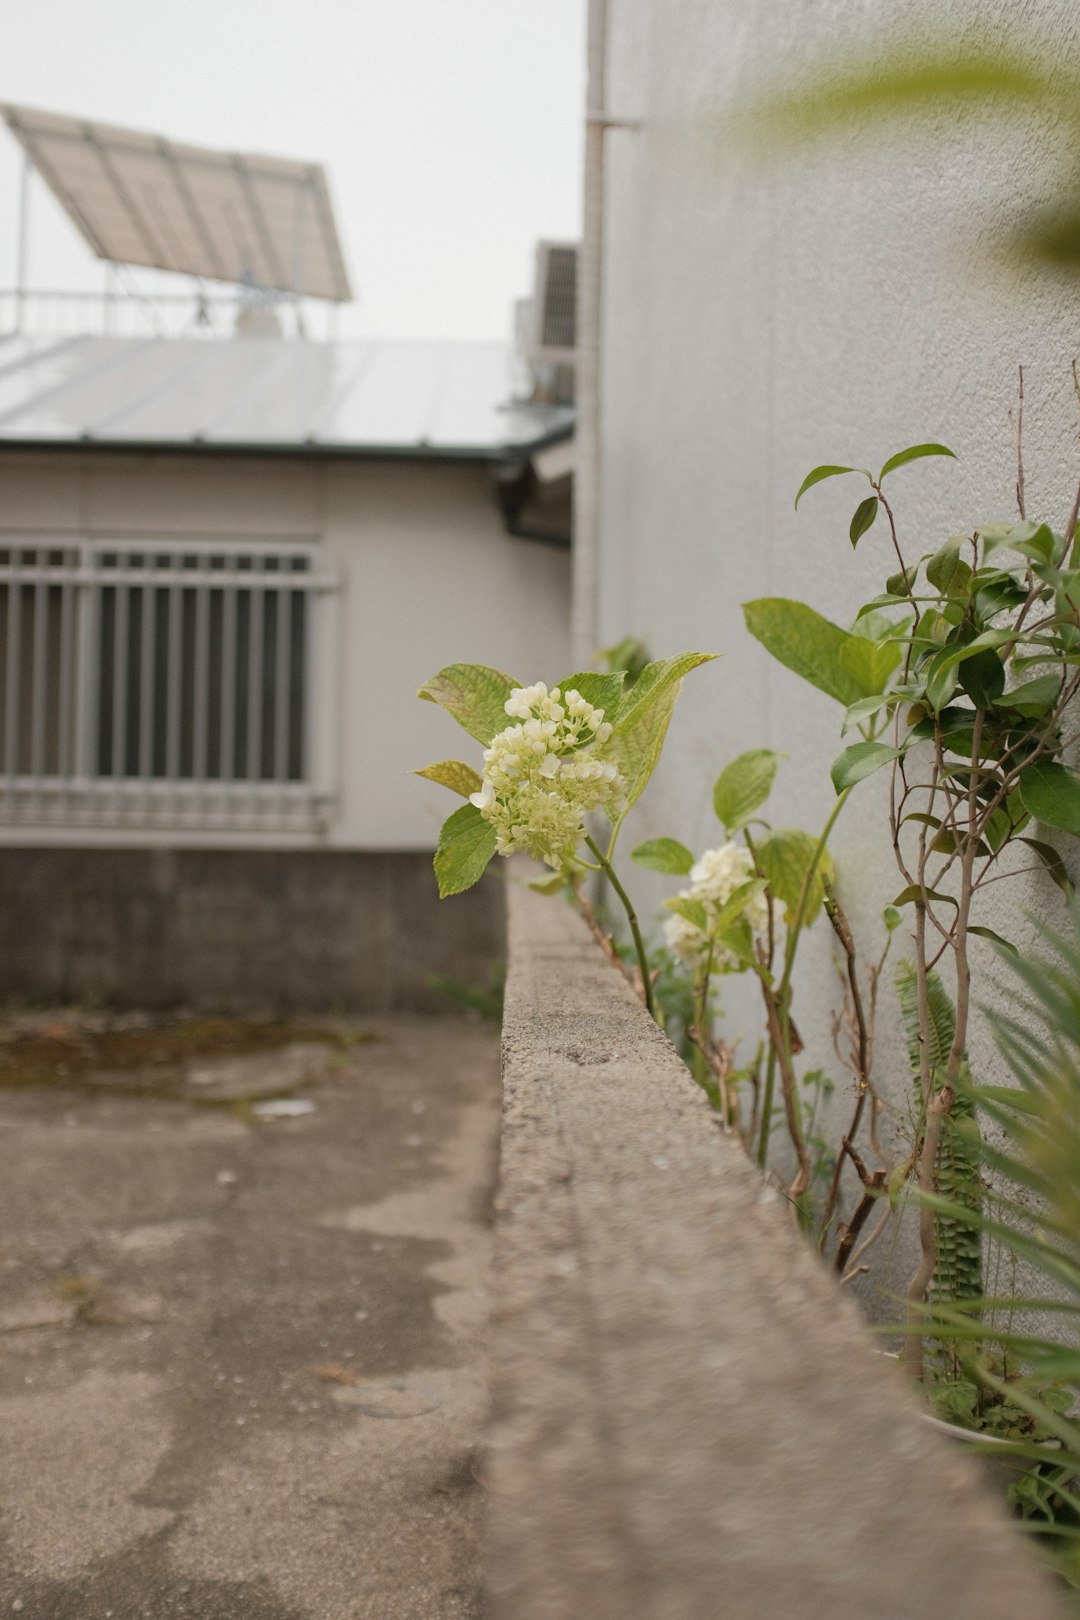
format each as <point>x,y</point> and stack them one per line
<point>691,1420</point>
<point>239,930</point>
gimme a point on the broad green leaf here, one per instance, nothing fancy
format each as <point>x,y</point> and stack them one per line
<point>983,679</point>
<point>1036,541</point>
<point>891,918</point>
<point>864,709</point>
<point>475,695</point>
<point>1033,698</point>
<point>739,940</point>
<point>877,626</point>
<point>1051,792</point>
<point>736,903</point>
<point>863,519</point>
<point>451,773</point>
<point>820,473</point>
<point>466,845</point>
<point>947,571</point>
<point>898,586</point>
<point>915,453</point>
<point>692,910</point>
<point>942,675</point>
<point>806,643</point>
<point>642,725</point>
<point>602,691</point>
<point>664,855</point>
<point>870,662</point>
<point>1052,861</point>
<point>785,858</point>
<point>862,759</point>
<point>743,786</point>
<point>913,892</point>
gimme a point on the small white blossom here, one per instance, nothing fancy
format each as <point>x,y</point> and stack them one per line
<point>713,880</point>
<point>543,775</point>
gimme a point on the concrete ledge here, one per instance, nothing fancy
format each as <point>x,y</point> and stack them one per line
<point>690,1420</point>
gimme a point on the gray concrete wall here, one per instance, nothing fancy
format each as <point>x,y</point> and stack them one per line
<point>238,930</point>
<point>691,1420</point>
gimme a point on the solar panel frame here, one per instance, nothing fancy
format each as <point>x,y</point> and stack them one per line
<point>142,199</point>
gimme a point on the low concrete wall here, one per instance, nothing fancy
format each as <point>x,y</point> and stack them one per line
<point>238,930</point>
<point>690,1420</point>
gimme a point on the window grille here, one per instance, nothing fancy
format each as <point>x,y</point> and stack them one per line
<point>160,684</point>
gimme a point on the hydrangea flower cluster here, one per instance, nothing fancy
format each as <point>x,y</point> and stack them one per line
<point>544,774</point>
<point>713,881</point>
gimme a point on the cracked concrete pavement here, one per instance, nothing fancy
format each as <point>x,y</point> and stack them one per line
<point>241,1374</point>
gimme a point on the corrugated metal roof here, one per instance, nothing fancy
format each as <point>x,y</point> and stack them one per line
<point>450,400</point>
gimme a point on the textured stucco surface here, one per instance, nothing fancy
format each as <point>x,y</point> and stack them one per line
<point>689,1419</point>
<point>758,321</point>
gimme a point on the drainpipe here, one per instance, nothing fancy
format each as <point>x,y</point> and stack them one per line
<point>584,610</point>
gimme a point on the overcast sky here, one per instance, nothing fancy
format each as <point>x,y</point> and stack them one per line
<point>451,129</point>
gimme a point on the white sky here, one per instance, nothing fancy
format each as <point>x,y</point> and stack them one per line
<point>451,130</point>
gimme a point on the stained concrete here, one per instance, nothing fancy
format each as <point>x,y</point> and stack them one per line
<point>691,1420</point>
<point>235,930</point>
<point>241,1372</point>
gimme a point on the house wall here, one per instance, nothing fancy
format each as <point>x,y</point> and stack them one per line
<point>757,321</point>
<point>158,917</point>
<point>427,577</point>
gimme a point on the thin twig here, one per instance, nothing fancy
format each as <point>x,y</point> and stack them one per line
<point>1019,425</point>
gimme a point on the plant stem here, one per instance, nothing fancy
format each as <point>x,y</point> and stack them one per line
<point>631,917</point>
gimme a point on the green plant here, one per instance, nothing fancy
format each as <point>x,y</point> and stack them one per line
<point>1018,1358</point>
<point>966,662</point>
<point>587,745</point>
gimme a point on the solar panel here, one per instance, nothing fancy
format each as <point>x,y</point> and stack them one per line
<point>141,199</point>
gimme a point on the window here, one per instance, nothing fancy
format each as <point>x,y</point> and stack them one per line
<point>161,683</point>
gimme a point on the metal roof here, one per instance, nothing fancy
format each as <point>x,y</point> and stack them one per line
<point>139,198</point>
<point>359,398</point>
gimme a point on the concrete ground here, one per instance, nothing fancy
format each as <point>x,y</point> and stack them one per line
<point>241,1374</point>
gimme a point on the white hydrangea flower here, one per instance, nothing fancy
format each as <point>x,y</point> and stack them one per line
<point>713,880</point>
<point>543,775</point>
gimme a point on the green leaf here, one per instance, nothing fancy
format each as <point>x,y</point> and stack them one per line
<point>550,885</point>
<point>664,855</point>
<point>1033,698</point>
<point>466,845</point>
<point>983,679</point>
<point>1051,793</point>
<point>785,858</point>
<point>602,691</point>
<point>988,933</point>
<point>899,585</point>
<point>870,662</point>
<point>891,918</point>
<point>692,910</point>
<point>942,674</point>
<point>1052,861</point>
<point>820,473</point>
<point>743,786</point>
<point>642,726</point>
<point>913,892</point>
<point>451,773</point>
<point>865,513</point>
<point>947,571</point>
<point>864,709</point>
<point>860,760</point>
<point>1033,540</point>
<point>916,453</point>
<point>808,644</point>
<point>475,695</point>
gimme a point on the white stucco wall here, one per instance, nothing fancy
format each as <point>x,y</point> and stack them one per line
<point>755,324</point>
<point>428,577</point>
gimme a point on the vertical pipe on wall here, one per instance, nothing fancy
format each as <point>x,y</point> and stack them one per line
<point>584,606</point>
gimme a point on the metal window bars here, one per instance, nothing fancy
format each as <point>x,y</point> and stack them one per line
<point>161,684</point>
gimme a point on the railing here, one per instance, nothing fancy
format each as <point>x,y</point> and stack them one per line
<point>159,683</point>
<point>130,313</point>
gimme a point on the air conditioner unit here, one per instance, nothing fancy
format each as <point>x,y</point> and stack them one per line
<point>552,338</point>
